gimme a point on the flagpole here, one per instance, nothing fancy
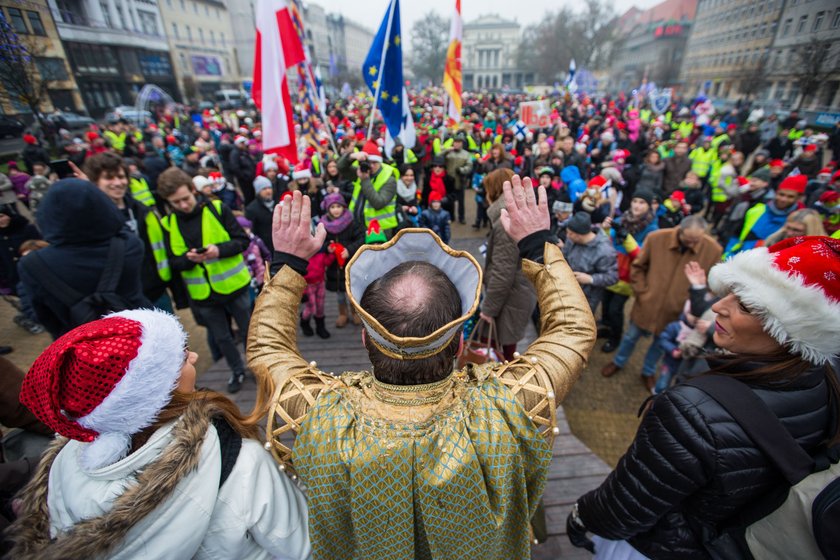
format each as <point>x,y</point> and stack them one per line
<point>321,110</point>
<point>381,65</point>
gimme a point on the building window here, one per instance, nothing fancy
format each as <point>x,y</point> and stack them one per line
<point>175,31</point>
<point>201,34</point>
<point>818,22</point>
<point>801,25</point>
<point>207,10</point>
<point>35,23</point>
<point>51,68</point>
<point>195,7</point>
<point>169,3</point>
<point>148,22</point>
<point>17,21</point>
<point>222,34</point>
<point>212,37</point>
<point>786,27</point>
<point>183,8</point>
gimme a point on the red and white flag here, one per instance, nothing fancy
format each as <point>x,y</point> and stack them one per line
<point>278,48</point>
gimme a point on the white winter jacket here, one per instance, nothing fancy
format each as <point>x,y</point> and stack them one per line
<point>258,513</point>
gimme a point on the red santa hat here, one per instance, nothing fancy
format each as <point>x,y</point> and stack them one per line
<point>435,196</point>
<point>796,183</point>
<point>372,151</point>
<point>794,289</point>
<point>106,380</point>
<point>777,163</point>
<point>301,172</point>
<point>743,181</point>
<point>810,148</point>
<point>678,196</point>
<point>29,139</point>
<point>825,171</point>
<point>597,181</point>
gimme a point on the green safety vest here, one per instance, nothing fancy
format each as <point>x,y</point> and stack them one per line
<point>387,215</point>
<point>836,234</point>
<point>117,140</point>
<point>316,165</point>
<point>645,114</point>
<point>668,117</point>
<point>718,192</point>
<point>486,147</point>
<point>436,146</point>
<point>223,276</point>
<point>140,191</point>
<point>685,129</point>
<point>154,230</point>
<point>795,134</point>
<point>751,217</point>
<point>410,158</point>
<point>664,151</point>
<point>701,161</point>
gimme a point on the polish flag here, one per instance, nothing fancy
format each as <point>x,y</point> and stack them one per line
<point>278,48</point>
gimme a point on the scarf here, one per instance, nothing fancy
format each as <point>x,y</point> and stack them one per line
<point>436,184</point>
<point>405,192</point>
<point>634,225</point>
<point>337,225</point>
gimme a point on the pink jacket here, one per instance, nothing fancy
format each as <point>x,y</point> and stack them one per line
<point>317,269</point>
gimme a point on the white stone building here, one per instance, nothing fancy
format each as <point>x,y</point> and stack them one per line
<point>488,54</point>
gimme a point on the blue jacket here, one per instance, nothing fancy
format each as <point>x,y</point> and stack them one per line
<point>437,221</point>
<point>573,181</point>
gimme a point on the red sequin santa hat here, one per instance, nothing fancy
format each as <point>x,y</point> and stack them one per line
<point>372,151</point>
<point>794,289</point>
<point>106,380</point>
<point>301,172</point>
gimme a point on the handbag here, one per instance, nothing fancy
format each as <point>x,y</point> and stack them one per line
<point>477,352</point>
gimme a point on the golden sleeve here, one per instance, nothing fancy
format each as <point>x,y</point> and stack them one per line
<point>544,374</point>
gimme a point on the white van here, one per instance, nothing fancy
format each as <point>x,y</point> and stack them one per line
<point>229,98</point>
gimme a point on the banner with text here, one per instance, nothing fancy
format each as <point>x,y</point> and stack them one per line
<point>535,114</point>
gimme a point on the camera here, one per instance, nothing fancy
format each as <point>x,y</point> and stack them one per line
<point>364,167</point>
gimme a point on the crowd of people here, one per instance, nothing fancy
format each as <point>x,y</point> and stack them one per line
<point>187,212</point>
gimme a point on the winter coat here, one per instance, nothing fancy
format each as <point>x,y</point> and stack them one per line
<point>508,296</point>
<point>32,154</point>
<point>650,177</point>
<point>78,221</point>
<point>448,183</point>
<point>18,231</point>
<point>352,237</point>
<point>153,165</point>
<point>458,166</point>
<point>242,165</point>
<point>691,465</point>
<point>257,513</point>
<point>597,258</point>
<point>261,217</point>
<point>658,279</point>
<point>747,142</point>
<point>674,172</point>
<point>317,267</point>
<point>438,221</point>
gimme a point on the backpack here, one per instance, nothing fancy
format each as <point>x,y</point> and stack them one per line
<point>802,522</point>
<point>85,308</point>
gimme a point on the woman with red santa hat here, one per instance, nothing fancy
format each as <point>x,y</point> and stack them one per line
<point>695,464</point>
<point>146,465</point>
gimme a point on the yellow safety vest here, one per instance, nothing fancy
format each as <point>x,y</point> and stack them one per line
<point>751,217</point>
<point>836,234</point>
<point>140,191</point>
<point>436,146</point>
<point>223,276</point>
<point>795,134</point>
<point>117,140</point>
<point>718,192</point>
<point>644,115</point>
<point>387,215</point>
<point>316,165</point>
<point>685,129</point>
<point>486,147</point>
<point>154,230</point>
<point>701,161</point>
<point>410,157</point>
<point>718,140</point>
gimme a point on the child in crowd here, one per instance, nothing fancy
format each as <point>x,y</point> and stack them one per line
<point>38,184</point>
<point>316,272</point>
<point>255,257</point>
<point>346,236</point>
<point>222,190</point>
<point>673,210</point>
<point>695,197</point>
<point>435,218</point>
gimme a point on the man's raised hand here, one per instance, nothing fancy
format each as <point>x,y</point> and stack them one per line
<point>291,228</point>
<point>523,214</point>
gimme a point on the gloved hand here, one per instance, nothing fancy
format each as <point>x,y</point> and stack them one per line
<point>576,531</point>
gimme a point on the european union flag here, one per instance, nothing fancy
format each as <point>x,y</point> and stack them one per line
<point>387,77</point>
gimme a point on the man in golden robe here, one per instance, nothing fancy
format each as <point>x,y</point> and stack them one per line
<point>413,459</point>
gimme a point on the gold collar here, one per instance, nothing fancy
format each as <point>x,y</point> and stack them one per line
<point>411,395</point>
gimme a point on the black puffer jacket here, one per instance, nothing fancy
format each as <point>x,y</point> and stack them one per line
<point>691,466</point>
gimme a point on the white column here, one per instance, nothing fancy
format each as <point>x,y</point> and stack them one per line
<point>131,13</point>
<point>115,16</point>
<point>94,12</point>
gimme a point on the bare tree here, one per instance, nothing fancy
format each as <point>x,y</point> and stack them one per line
<point>753,77</point>
<point>23,81</point>
<point>548,47</point>
<point>429,41</point>
<point>813,64</point>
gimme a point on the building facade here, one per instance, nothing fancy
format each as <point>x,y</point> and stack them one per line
<point>114,47</point>
<point>728,45</point>
<point>652,45</point>
<point>32,22</point>
<point>803,25</point>
<point>242,14</point>
<point>201,44</point>
<point>488,55</point>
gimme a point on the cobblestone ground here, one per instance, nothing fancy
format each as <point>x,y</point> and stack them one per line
<point>601,412</point>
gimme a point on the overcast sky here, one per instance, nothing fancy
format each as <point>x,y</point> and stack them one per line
<point>526,12</point>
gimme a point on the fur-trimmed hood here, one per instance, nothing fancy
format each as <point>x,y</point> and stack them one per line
<point>64,523</point>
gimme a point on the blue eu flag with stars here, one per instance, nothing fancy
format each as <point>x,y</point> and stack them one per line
<point>389,77</point>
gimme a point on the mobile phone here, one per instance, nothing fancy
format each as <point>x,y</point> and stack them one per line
<point>62,168</point>
<point>201,250</point>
